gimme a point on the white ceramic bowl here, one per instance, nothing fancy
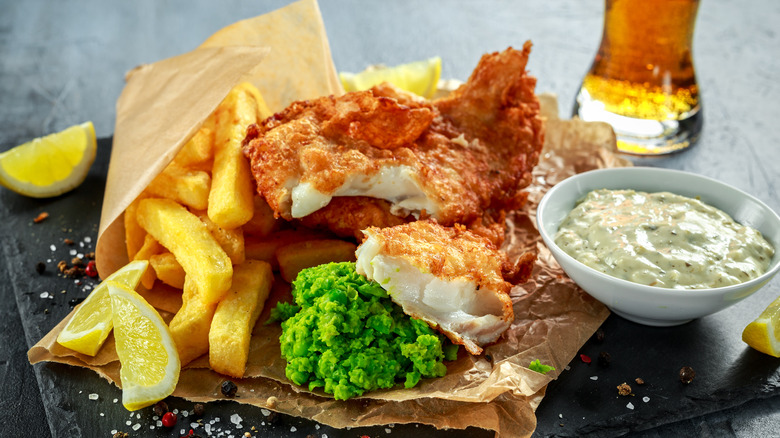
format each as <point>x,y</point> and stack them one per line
<point>651,305</point>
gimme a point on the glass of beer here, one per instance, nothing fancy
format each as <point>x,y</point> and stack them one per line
<point>642,81</point>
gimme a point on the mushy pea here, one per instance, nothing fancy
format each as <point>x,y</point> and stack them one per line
<point>662,239</point>
<point>346,336</point>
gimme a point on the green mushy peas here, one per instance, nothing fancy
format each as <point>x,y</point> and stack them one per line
<point>346,336</point>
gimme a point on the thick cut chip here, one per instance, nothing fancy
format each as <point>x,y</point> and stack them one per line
<point>187,237</point>
<point>232,241</point>
<point>263,221</point>
<point>265,248</point>
<point>230,201</point>
<point>147,250</point>
<point>189,187</point>
<point>295,257</point>
<point>198,153</point>
<point>134,234</point>
<point>150,365</point>
<point>168,269</point>
<point>190,326</point>
<point>236,315</point>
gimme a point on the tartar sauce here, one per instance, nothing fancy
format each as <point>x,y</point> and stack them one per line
<point>662,239</point>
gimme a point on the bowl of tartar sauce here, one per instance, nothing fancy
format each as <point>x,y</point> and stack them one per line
<point>658,246</point>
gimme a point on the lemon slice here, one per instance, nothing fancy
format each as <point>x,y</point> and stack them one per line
<point>51,165</point>
<point>92,323</point>
<point>150,364</point>
<point>763,333</point>
<point>419,77</point>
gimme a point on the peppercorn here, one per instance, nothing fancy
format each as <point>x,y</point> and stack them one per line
<point>62,266</point>
<point>198,410</point>
<point>90,255</point>
<point>77,261</point>
<point>40,268</point>
<point>687,374</point>
<point>229,388</point>
<point>169,419</point>
<point>639,381</point>
<point>120,435</point>
<point>585,358</point>
<point>69,241</point>
<point>604,359</point>
<point>273,418</point>
<point>160,408</point>
<point>600,335</point>
<point>91,269</point>
<point>624,389</point>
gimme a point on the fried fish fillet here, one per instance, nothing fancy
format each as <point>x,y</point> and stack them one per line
<point>449,277</point>
<point>462,159</point>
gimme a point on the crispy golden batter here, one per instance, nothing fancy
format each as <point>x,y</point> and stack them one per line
<point>462,159</point>
<point>448,276</point>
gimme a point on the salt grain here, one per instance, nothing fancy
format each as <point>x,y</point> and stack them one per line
<point>128,422</point>
<point>136,426</point>
<point>159,424</point>
<point>317,426</point>
<point>53,248</point>
<point>265,412</point>
<point>594,377</point>
<point>630,405</point>
<point>116,400</point>
<point>102,414</point>
<point>182,432</point>
<point>194,425</point>
<point>387,430</point>
<point>73,252</point>
<point>88,239</point>
<point>44,295</point>
<point>645,399</point>
<point>93,396</point>
<point>114,431</point>
<point>293,429</point>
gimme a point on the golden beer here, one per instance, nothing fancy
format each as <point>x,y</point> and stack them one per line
<point>642,80</point>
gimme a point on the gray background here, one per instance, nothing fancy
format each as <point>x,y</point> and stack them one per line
<point>63,62</point>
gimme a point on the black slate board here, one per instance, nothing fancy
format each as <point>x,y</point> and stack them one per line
<point>582,402</point>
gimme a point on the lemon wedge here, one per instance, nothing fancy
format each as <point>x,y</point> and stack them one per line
<point>419,77</point>
<point>150,365</point>
<point>763,333</point>
<point>90,325</point>
<point>51,165</point>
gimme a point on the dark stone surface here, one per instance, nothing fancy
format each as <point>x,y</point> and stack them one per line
<point>64,62</point>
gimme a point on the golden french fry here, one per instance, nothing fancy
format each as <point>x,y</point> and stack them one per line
<point>230,200</point>
<point>168,269</point>
<point>198,152</point>
<point>190,326</point>
<point>295,257</point>
<point>149,248</point>
<point>187,237</point>
<point>265,248</point>
<point>134,234</point>
<point>263,112</point>
<point>236,315</point>
<point>263,221</point>
<point>189,187</point>
<point>232,241</point>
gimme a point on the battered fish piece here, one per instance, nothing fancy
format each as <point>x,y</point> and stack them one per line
<point>449,277</point>
<point>462,159</point>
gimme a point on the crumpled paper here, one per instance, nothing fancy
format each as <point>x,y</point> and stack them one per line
<point>164,103</point>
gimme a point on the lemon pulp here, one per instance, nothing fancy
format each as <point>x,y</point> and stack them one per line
<point>419,77</point>
<point>51,165</point>
<point>763,334</point>
<point>90,325</point>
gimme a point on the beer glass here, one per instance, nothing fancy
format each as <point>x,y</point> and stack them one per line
<point>642,81</point>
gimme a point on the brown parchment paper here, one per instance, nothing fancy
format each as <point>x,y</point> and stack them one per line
<point>164,103</point>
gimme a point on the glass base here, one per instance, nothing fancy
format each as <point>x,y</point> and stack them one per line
<point>642,136</point>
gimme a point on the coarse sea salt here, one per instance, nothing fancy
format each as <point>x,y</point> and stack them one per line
<point>594,377</point>
<point>136,426</point>
<point>93,396</point>
<point>44,295</point>
<point>265,412</point>
<point>645,399</point>
<point>630,405</point>
<point>293,429</point>
<point>52,247</point>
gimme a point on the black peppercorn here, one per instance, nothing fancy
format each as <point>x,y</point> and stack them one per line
<point>160,408</point>
<point>198,410</point>
<point>604,359</point>
<point>687,374</point>
<point>40,268</point>
<point>600,335</point>
<point>229,388</point>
